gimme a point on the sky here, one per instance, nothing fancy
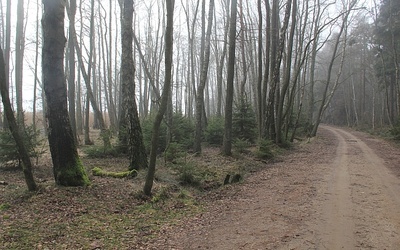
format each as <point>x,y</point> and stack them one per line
<point>31,26</point>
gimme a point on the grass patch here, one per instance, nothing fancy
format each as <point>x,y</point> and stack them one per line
<point>4,206</point>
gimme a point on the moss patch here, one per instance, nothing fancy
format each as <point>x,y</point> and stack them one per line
<point>100,172</point>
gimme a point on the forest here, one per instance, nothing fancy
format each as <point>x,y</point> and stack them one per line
<point>157,81</point>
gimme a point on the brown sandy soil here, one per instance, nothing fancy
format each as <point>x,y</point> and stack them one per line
<point>339,192</point>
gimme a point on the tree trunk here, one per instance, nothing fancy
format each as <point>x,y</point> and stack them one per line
<point>15,131</point>
<point>227,143</point>
<point>203,80</point>
<point>325,97</point>
<point>274,34</point>
<point>87,78</point>
<point>71,78</point>
<point>7,51</point>
<point>137,150</point>
<point>260,109</point>
<point>164,97</point>
<point>286,82</point>
<point>311,99</point>
<point>19,60</point>
<point>67,167</point>
<point>36,70</point>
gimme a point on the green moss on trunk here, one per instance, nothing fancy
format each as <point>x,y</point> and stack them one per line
<point>73,175</point>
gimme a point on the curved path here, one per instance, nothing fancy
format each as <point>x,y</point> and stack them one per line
<point>337,192</point>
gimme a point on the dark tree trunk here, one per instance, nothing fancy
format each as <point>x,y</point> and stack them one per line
<point>227,143</point>
<point>129,114</point>
<point>164,97</point>
<point>67,167</point>
<point>15,131</point>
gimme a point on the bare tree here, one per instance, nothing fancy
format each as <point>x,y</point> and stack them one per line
<point>19,62</point>
<point>227,143</point>
<point>15,129</point>
<point>71,60</point>
<point>129,119</point>
<point>67,167</point>
<point>164,97</point>
<point>203,80</point>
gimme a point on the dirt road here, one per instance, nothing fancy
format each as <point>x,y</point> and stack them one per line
<point>342,191</point>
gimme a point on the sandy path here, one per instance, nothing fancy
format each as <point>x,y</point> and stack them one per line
<point>371,216</point>
<point>334,193</point>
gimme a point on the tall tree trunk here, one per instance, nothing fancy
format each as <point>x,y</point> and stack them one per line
<point>67,167</point>
<point>112,107</point>
<point>243,81</point>
<point>311,99</point>
<point>71,78</point>
<point>202,83</point>
<point>164,97</point>
<point>220,65</point>
<point>274,33</point>
<point>7,51</point>
<point>79,113</point>
<point>19,62</point>
<point>266,124</point>
<point>15,130</point>
<point>326,98</point>
<point>227,142</point>
<point>286,81</point>
<point>137,150</point>
<point>36,70</point>
<point>260,109</point>
<point>87,78</point>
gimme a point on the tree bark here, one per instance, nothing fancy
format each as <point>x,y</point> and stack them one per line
<point>164,97</point>
<point>7,51</point>
<point>203,80</point>
<point>286,82</point>
<point>67,167</point>
<point>129,120</point>
<point>71,77</point>
<point>19,62</point>
<point>227,142</point>
<point>15,131</point>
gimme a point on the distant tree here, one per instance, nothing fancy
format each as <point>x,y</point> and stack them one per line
<point>19,59</point>
<point>67,167</point>
<point>387,34</point>
<point>7,51</point>
<point>14,129</point>
<point>169,32</point>
<point>203,80</point>
<point>227,144</point>
<point>71,67</point>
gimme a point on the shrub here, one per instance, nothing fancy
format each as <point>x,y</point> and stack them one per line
<point>182,130</point>
<point>265,150</point>
<point>147,129</point>
<point>95,151</point>
<point>173,151</point>
<point>395,131</point>
<point>215,131</point>
<point>187,175</point>
<point>241,145</point>
<point>33,141</point>
<point>244,124</point>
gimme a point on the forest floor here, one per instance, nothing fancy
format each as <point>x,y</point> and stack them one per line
<point>339,191</point>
